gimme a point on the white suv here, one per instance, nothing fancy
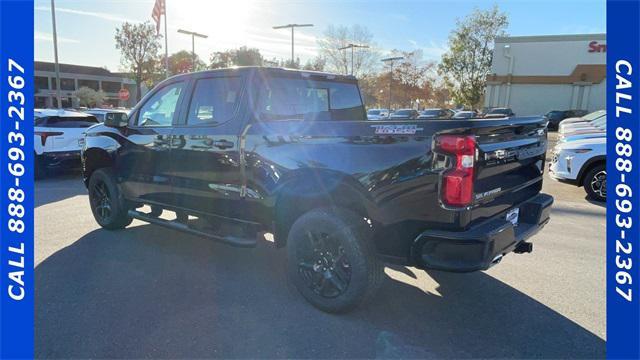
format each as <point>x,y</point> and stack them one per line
<point>582,163</point>
<point>58,136</point>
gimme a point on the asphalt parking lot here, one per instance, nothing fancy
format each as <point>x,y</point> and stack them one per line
<point>149,292</point>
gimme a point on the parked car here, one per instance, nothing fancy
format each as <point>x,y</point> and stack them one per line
<point>595,125</point>
<point>556,116</point>
<point>464,114</point>
<point>435,114</point>
<point>57,138</point>
<point>341,194</point>
<point>597,128</point>
<point>102,114</point>
<point>499,113</point>
<point>582,163</point>
<point>377,114</point>
<point>404,114</point>
<point>584,119</point>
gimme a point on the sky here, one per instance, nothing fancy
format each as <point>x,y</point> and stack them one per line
<point>86,28</point>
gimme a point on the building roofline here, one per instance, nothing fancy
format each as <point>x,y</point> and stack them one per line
<point>548,38</point>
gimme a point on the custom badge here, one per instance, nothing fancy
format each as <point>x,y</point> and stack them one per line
<point>396,129</point>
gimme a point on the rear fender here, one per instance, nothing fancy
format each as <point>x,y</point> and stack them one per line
<point>307,189</point>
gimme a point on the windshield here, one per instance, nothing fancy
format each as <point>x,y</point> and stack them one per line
<point>464,114</point>
<point>373,112</point>
<point>402,112</point>
<point>594,115</point>
<point>500,111</point>
<point>67,121</point>
<point>431,112</point>
<point>600,123</point>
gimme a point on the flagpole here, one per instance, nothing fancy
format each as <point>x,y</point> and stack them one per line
<point>166,46</point>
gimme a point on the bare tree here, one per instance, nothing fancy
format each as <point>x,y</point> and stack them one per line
<point>139,45</point>
<point>365,61</point>
<point>466,65</point>
<point>318,63</point>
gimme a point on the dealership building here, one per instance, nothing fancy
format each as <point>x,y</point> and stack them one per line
<point>73,77</point>
<point>535,74</point>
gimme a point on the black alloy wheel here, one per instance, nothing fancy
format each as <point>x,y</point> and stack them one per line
<point>323,265</point>
<point>598,183</point>
<point>595,183</point>
<point>109,208</point>
<point>332,260</point>
<point>101,201</point>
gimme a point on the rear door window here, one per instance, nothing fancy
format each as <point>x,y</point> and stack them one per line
<point>214,101</point>
<point>316,100</point>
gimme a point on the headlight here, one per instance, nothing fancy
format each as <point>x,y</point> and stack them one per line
<point>578,151</point>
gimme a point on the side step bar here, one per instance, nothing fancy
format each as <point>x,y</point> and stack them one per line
<point>173,224</point>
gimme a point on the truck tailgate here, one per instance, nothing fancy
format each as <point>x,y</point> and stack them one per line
<point>509,165</point>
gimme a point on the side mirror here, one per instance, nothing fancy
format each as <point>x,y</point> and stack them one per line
<point>116,120</point>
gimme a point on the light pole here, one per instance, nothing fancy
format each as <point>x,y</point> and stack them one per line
<point>193,44</point>
<point>55,53</point>
<point>390,62</point>
<point>352,46</point>
<point>292,26</point>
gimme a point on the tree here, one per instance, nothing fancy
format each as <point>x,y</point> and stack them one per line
<point>467,63</point>
<point>365,61</point>
<point>89,97</point>
<point>182,62</point>
<point>242,56</point>
<point>247,57</point>
<point>318,63</point>
<point>139,45</point>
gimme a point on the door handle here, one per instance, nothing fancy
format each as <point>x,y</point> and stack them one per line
<point>223,144</point>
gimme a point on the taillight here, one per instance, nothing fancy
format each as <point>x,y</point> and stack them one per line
<point>457,182</point>
<point>45,134</point>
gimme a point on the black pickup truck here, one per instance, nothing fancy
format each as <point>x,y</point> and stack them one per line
<point>237,153</point>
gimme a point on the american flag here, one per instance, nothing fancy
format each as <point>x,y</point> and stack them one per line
<point>158,11</point>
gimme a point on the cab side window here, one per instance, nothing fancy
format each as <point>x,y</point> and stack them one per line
<point>161,107</point>
<point>214,101</point>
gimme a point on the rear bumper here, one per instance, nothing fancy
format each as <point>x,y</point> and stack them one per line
<point>479,247</point>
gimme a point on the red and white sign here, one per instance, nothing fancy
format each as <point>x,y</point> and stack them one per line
<point>596,47</point>
<point>123,94</point>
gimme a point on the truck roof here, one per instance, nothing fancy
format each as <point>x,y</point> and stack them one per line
<point>271,71</point>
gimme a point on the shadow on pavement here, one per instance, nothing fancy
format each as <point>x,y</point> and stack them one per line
<point>149,292</point>
<point>560,209</point>
<point>58,186</point>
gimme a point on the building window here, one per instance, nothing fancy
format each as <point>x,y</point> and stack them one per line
<point>66,102</point>
<point>92,84</point>
<point>40,102</point>
<point>65,84</point>
<point>41,83</point>
<point>111,87</point>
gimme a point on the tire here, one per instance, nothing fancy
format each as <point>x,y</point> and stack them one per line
<point>107,205</point>
<point>331,259</point>
<point>595,183</point>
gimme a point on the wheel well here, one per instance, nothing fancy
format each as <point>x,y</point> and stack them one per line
<point>585,169</point>
<point>304,194</point>
<point>94,159</point>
